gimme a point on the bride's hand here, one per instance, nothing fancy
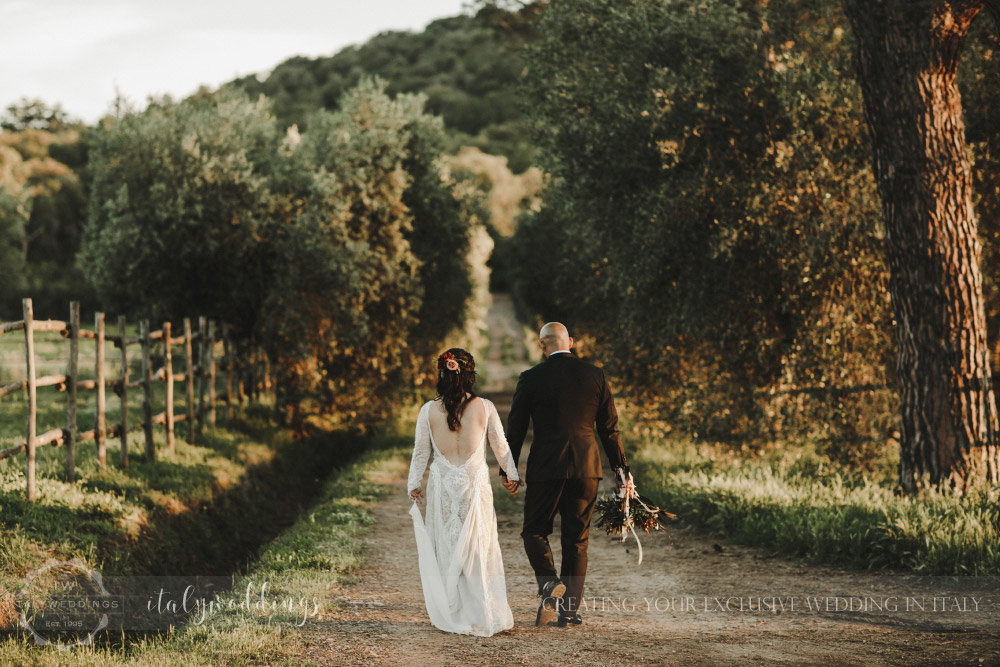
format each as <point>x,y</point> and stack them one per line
<point>417,495</point>
<point>511,485</point>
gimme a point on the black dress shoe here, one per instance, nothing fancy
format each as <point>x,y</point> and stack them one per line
<point>548,608</point>
<point>569,620</point>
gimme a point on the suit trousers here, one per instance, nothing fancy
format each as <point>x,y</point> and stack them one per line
<point>574,500</point>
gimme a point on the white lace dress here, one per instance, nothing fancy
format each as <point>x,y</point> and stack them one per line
<point>460,565</point>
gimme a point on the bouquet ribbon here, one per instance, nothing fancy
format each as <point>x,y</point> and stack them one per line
<point>627,492</point>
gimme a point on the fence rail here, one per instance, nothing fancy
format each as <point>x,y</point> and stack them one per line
<point>204,372</point>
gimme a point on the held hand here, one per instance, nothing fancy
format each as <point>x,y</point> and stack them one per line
<point>624,484</point>
<point>417,495</point>
<point>511,485</point>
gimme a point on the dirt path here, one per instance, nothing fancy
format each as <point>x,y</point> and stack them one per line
<point>507,355</point>
<point>681,606</point>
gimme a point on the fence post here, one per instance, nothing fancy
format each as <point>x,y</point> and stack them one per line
<point>227,350</point>
<point>211,373</point>
<point>202,370</point>
<point>72,373</point>
<point>189,354</point>
<point>100,425</point>
<point>147,391</point>
<point>29,444</point>
<point>123,394</point>
<point>168,375</point>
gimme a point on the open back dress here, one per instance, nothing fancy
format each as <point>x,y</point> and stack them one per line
<point>459,555</point>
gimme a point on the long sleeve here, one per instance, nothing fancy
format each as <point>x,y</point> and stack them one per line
<point>518,419</point>
<point>607,427</point>
<point>421,450</point>
<point>494,433</point>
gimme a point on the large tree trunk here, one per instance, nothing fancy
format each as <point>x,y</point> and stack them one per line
<point>907,57</point>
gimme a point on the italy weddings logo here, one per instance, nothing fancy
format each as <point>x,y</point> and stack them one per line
<point>64,604</point>
<point>179,600</point>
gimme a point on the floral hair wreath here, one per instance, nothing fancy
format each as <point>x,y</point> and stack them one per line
<point>447,361</point>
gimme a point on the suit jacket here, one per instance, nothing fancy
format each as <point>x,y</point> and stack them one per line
<point>569,402</point>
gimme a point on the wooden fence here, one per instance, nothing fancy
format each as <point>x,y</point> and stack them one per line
<point>199,406</point>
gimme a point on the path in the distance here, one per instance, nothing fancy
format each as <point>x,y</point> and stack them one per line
<point>649,614</point>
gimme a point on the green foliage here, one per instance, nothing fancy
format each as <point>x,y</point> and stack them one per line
<point>43,203</point>
<point>180,196</point>
<point>712,224</point>
<point>12,220</point>
<point>371,271</point>
<point>34,114</point>
<point>467,68</point>
<point>497,197</point>
<point>343,248</point>
<point>336,243</point>
<point>440,237</point>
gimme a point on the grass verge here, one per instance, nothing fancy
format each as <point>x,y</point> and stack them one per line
<point>797,503</point>
<point>299,568</point>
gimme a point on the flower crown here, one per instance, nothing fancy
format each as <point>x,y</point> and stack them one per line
<point>447,361</point>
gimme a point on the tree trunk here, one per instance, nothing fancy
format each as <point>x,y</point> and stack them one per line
<point>907,57</point>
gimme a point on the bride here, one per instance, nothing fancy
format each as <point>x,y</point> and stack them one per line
<point>457,548</point>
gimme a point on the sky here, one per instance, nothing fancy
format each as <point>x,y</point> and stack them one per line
<point>79,53</point>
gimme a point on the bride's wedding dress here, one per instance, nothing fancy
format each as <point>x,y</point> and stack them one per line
<point>460,566</point>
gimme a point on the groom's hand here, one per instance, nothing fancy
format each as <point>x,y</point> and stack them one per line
<point>510,485</point>
<point>619,474</point>
<point>618,483</point>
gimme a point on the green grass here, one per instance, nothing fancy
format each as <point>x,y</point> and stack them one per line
<point>303,564</point>
<point>202,509</point>
<point>794,501</point>
<point>51,408</point>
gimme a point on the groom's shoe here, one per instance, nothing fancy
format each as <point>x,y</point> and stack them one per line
<point>548,609</point>
<point>553,588</point>
<point>570,621</point>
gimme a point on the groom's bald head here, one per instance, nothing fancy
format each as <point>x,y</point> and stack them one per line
<point>554,336</point>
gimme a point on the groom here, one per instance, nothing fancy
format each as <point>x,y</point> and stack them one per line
<point>565,398</point>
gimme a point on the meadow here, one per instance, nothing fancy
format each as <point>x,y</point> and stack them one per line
<point>788,499</point>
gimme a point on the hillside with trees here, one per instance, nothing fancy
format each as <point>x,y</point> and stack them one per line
<point>466,65</point>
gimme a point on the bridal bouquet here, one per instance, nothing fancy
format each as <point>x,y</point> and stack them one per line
<point>622,512</point>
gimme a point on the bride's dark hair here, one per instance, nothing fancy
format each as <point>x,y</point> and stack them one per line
<point>456,378</point>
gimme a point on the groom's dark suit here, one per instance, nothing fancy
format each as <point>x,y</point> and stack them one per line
<point>569,402</point>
